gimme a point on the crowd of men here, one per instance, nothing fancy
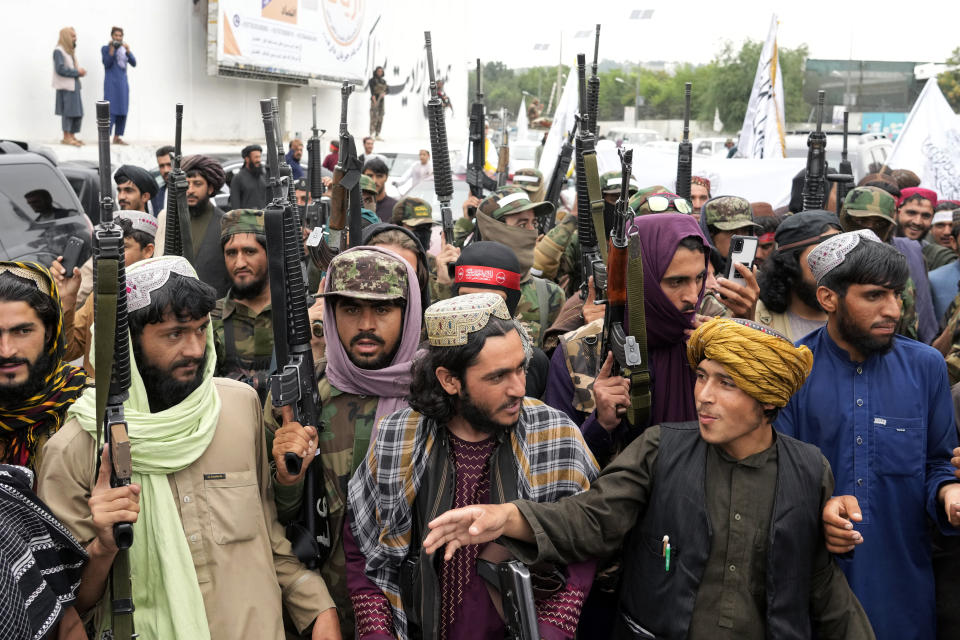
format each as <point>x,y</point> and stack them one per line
<point>789,475</point>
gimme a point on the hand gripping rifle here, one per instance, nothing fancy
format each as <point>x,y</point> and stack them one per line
<point>593,87</point>
<point>813,179</point>
<point>557,179</point>
<point>294,385</point>
<point>113,371</point>
<point>589,196</point>
<point>178,238</point>
<point>345,196</point>
<point>844,179</point>
<point>685,151</point>
<point>442,178</point>
<point>503,158</point>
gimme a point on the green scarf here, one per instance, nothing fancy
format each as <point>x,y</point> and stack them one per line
<point>165,589</point>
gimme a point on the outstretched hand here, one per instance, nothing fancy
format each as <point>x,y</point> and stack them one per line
<point>839,514</point>
<point>474,525</point>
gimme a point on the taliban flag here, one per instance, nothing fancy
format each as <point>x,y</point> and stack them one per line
<point>762,133</point>
<point>929,143</point>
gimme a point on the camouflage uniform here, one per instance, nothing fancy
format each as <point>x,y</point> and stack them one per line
<point>549,252</point>
<point>581,349</point>
<point>531,181</point>
<point>610,183</point>
<point>378,89</point>
<point>861,204</point>
<point>462,229</point>
<point>243,340</point>
<point>528,309</point>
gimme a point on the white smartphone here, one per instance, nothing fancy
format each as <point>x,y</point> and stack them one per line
<point>743,250</point>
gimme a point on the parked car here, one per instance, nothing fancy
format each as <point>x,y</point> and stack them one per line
<point>39,210</point>
<point>710,146</point>
<point>622,135</point>
<point>84,178</point>
<point>863,149</point>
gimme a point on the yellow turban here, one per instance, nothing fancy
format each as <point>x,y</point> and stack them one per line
<point>763,363</point>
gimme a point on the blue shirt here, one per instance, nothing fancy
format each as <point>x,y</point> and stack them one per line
<point>887,427</point>
<point>295,167</point>
<point>943,285</point>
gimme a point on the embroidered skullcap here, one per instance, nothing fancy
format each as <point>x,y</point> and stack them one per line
<point>139,221</point>
<point>450,322</point>
<point>831,253</point>
<point>35,273</point>
<point>146,276</point>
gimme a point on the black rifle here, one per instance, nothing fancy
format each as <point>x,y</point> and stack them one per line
<point>816,172</point>
<point>503,155</point>
<point>315,215</point>
<point>844,179</point>
<point>294,385</point>
<point>512,578</point>
<point>346,199</point>
<point>685,151</point>
<point>178,238</point>
<point>113,370</point>
<point>586,163</point>
<point>557,179</point>
<point>285,170</point>
<point>477,180</point>
<point>442,176</point>
<point>593,88</point>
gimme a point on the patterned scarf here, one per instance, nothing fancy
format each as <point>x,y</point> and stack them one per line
<point>552,461</point>
<point>24,424</point>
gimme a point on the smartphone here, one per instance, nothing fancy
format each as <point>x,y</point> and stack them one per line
<point>71,255</point>
<point>743,250</point>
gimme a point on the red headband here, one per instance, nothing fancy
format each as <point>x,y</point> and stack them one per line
<point>766,237</point>
<point>475,274</point>
<point>926,194</point>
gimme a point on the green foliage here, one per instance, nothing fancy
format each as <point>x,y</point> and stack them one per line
<point>949,81</point>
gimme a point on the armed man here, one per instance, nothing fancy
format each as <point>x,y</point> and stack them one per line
<point>717,520</point>
<point>469,437</point>
<point>242,323</point>
<point>371,321</point>
<point>37,385</point>
<point>210,558</point>
<point>248,189</point>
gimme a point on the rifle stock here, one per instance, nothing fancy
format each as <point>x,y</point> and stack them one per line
<point>813,179</point>
<point>685,151</point>
<point>442,176</point>
<point>503,159</point>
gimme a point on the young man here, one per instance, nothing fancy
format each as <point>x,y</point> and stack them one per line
<point>376,169</point>
<point>788,292</point>
<point>879,407</point>
<point>293,155</point>
<point>135,188</point>
<point>718,520</point>
<point>941,231</point>
<point>371,320</point>
<point>36,384</point>
<point>943,280</point>
<point>242,320</point>
<point>469,437</point>
<point>415,173</point>
<point>378,92</point>
<point>116,56</point>
<point>165,166</point>
<point>699,192</point>
<point>915,212</point>
<point>722,218</point>
<point>248,189</point>
<point>210,559</point>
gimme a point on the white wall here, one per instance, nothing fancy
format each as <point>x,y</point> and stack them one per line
<point>168,38</point>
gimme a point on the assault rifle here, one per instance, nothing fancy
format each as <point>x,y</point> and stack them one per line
<point>317,212</point>
<point>844,178</point>
<point>476,178</point>
<point>178,238</point>
<point>813,179</point>
<point>285,171</point>
<point>557,179</point>
<point>513,580</point>
<point>685,151</point>
<point>345,196</point>
<point>294,385</point>
<point>503,159</point>
<point>589,196</point>
<point>442,177</point>
<point>113,370</point>
<point>593,88</point>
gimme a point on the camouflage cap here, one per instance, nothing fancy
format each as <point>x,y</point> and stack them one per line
<point>367,274</point>
<point>610,183</point>
<point>862,202</point>
<point>528,179</point>
<point>638,198</point>
<point>412,212</point>
<point>728,213</point>
<point>367,184</point>
<point>507,201</point>
<point>242,221</point>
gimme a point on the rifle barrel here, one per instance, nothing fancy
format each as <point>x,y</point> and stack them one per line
<point>103,140</point>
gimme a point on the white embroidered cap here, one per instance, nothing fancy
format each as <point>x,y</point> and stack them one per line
<point>146,276</point>
<point>140,221</point>
<point>831,253</point>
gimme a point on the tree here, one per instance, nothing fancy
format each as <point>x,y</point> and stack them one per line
<point>949,80</point>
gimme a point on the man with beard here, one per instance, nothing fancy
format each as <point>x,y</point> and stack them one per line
<point>210,559</point>
<point>205,178</point>
<point>293,155</point>
<point>879,408</point>
<point>164,166</point>
<point>36,384</point>
<point>242,320</point>
<point>943,280</point>
<point>717,521</point>
<point>788,292</point>
<point>371,319</point>
<point>469,437</point>
<point>914,217</point>
<point>248,189</point>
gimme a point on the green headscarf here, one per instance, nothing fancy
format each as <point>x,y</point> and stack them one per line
<point>165,588</point>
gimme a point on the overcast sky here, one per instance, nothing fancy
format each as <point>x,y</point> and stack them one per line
<point>695,30</point>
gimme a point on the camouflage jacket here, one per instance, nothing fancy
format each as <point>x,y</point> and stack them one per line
<point>462,229</point>
<point>953,355</point>
<point>244,343</point>
<point>580,353</point>
<point>550,250</point>
<point>909,323</point>
<point>346,422</point>
<point>528,309</point>
<point>936,255</point>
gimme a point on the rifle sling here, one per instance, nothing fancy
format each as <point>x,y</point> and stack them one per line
<point>639,411</point>
<point>596,202</point>
<point>543,305</point>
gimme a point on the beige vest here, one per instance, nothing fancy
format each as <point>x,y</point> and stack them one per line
<point>66,83</point>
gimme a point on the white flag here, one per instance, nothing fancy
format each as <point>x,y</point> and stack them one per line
<point>929,143</point>
<point>563,120</point>
<point>717,124</point>
<point>762,132</point>
<point>522,125</point>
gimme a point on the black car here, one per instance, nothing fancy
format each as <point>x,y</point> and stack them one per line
<point>39,210</point>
